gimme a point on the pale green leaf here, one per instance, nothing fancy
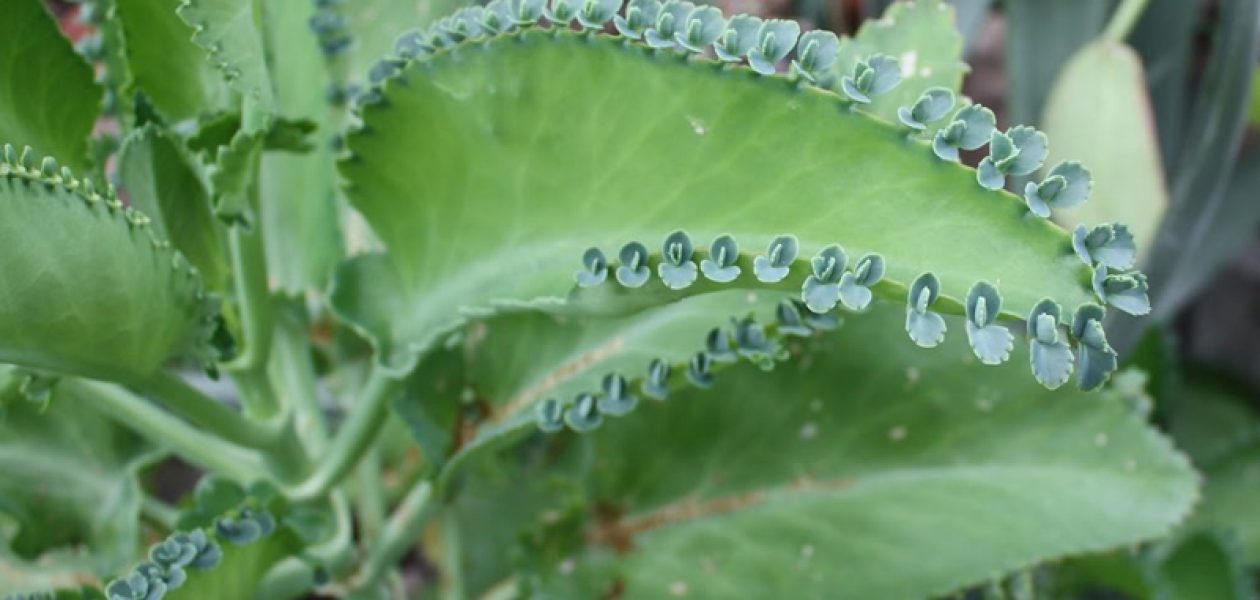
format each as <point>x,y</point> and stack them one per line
<point>160,180</point>
<point>486,143</point>
<point>165,64</point>
<point>1099,113</point>
<point>48,99</point>
<point>88,288</point>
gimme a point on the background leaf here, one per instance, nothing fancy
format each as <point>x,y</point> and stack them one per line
<point>165,64</point>
<point>48,99</point>
<point>1099,113</point>
<point>160,180</point>
<point>1040,36</point>
<point>69,482</point>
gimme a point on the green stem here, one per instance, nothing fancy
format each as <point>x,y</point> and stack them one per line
<point>353,439</point>
<point>147,419</point>
<point>452,571</point>
<point>159,513</point>
<point>1123,19</point>
<point>203,411</point>
<point>369,496</point>
<point>249,262</point>
<point>293,377</point>
<point>400,534</point>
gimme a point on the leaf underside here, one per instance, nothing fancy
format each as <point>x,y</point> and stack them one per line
<point>540,144</point>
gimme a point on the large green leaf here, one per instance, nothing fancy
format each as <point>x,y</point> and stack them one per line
<point>538,145</point>
<point>160,180</point>
<point>164,62</point>
<point>88,288</point>
<point>1098,113</point>
<point>48,99</point>
<point>869,469</point>
<point>68,481</point>
<point>298,191</point>
<point>923,38</point>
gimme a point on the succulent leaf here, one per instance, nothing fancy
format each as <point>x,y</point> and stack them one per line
<point>872,76</point>
<point>446,97</point>
<point>932,106</point>
<point>990,341</point>
<point>1125,291</point>
<point>775,39</point>
<point>701,28</point>
<point>926,328</point>
<point>816,55</point>
<point>633,271</point>
<point>774,265</point>
<point>640,15</point>
<point>676,269</point>
<point>738,39</point>
<point>855,286</point>
<point>720,266</point>
<point>1096,360</point>
<point>1065,186</point>
<point>1110,245</point>
<point>594,268</point>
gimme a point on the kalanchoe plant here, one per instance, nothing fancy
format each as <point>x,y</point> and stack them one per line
<point>591,309</point>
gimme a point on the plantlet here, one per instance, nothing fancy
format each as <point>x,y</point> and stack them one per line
<point>566,294</point>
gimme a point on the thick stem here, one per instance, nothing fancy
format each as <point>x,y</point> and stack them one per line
<point>293,376</point>
<point>249,262</point>
<point>352,440</point>
<point>399,535</point>
<point>1123,19</point>
<point>452,554</point>
<point>205,412</point>
<point>159,513</point>
<point>370,497</point>
<point>206,451</point>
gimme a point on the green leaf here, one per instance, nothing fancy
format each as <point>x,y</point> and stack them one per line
<point>1204,565</point>
<point>165,64</point>
<point>1221,431</point>
<point>69,482</point>
<point>530,186</point>
<point>1098,113</point>
<point>230,32</point>
<point>922,37</point>
<point>48,99</point>
<point>87,288</point>
<point>298,193</point>
<point>160,181</point>
<point>854,472</point>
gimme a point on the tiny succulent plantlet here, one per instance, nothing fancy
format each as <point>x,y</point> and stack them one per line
<point>614,270</point>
